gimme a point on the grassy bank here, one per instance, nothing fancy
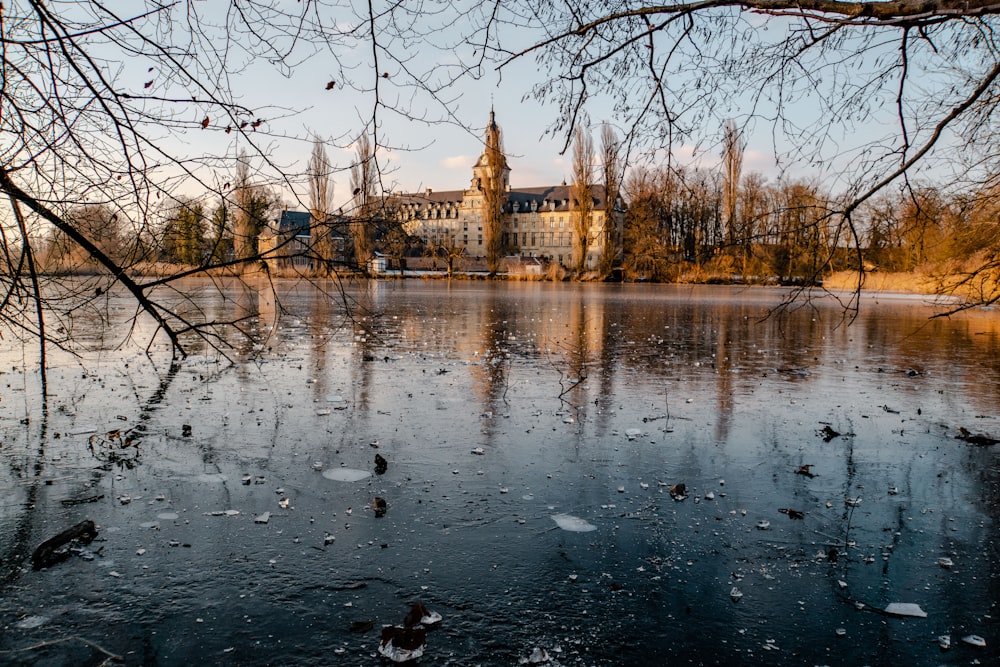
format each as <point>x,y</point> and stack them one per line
<point>907,283</point>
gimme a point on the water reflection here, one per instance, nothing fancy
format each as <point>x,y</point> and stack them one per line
<point>599,398</point>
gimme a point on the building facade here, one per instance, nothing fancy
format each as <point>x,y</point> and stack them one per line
<point>537,221</point>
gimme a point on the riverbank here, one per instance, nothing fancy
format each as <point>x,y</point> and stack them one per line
<point>911,282</point>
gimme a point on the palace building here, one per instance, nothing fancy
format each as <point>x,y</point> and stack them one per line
<point>537,221</point>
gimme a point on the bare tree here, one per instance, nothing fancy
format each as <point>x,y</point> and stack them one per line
<point>318,175</point>
<point>134,105</point>
<point>673,71</point>
<point>583,195</point>
<point>732,170</point>
<point>363,186</point>
<point>106,104</point>
<point>493,187</point>
<point>244,238</point>
<point>611,170</point>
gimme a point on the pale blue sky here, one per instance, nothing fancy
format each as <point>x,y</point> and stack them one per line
<point>435,151</point>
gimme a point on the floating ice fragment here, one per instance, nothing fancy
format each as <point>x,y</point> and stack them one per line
<point>944,641</point>
<point>538,656</point>
<point>117,575</point>
<point>974,640</point>
<point>905,609</point>
<point>283,503</point>
<point>573,524</point>
<point>124,500</point>
<point>621,489</point>
<point>852,502</point>
<point>323,412</point>
<point>328,539</point>
<point>568,420</point>
<point>735,594</point>
<point>346,474</point>
<point>643,485</point>
<point>430,618</point>
<point>504,489</point>
<point>893,490</point>
<point>633,433</point>
<point>167,516</point>
<point>140,552</point>
<point>709,496</point>
<point>402,644</point>
<point>31,622</point>
<point>945,562</point>
<point>840,632</point>
<point>262,518</point>
<point>479,451</point>
<point>317,465</point>
<point>763,524</point>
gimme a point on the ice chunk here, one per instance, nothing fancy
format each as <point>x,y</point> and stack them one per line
<point>262,518</point>
<point>538,656</point>
<point>402,644</point>
<point>346,474</point>
<point>974,640</point>
<point>633,433</point>
<point>735,594</point>
<point>945,562</point>
<point>573,524</point>
<point>905,609</point>
<point>944,641</point>
<point>31,622</point>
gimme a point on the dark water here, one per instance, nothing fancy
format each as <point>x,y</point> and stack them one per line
<point>587,403</point>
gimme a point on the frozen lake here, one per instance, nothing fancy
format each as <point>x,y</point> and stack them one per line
<point>532,434</point>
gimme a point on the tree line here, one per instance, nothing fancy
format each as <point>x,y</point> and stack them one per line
<point>681,223</point>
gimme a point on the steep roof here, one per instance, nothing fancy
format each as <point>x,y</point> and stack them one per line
<point>295,223</point>
<point>546,197</point>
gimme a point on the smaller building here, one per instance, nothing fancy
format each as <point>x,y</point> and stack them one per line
<point>288,243</point>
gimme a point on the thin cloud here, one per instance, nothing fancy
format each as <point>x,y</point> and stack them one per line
<point>457,162</point>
